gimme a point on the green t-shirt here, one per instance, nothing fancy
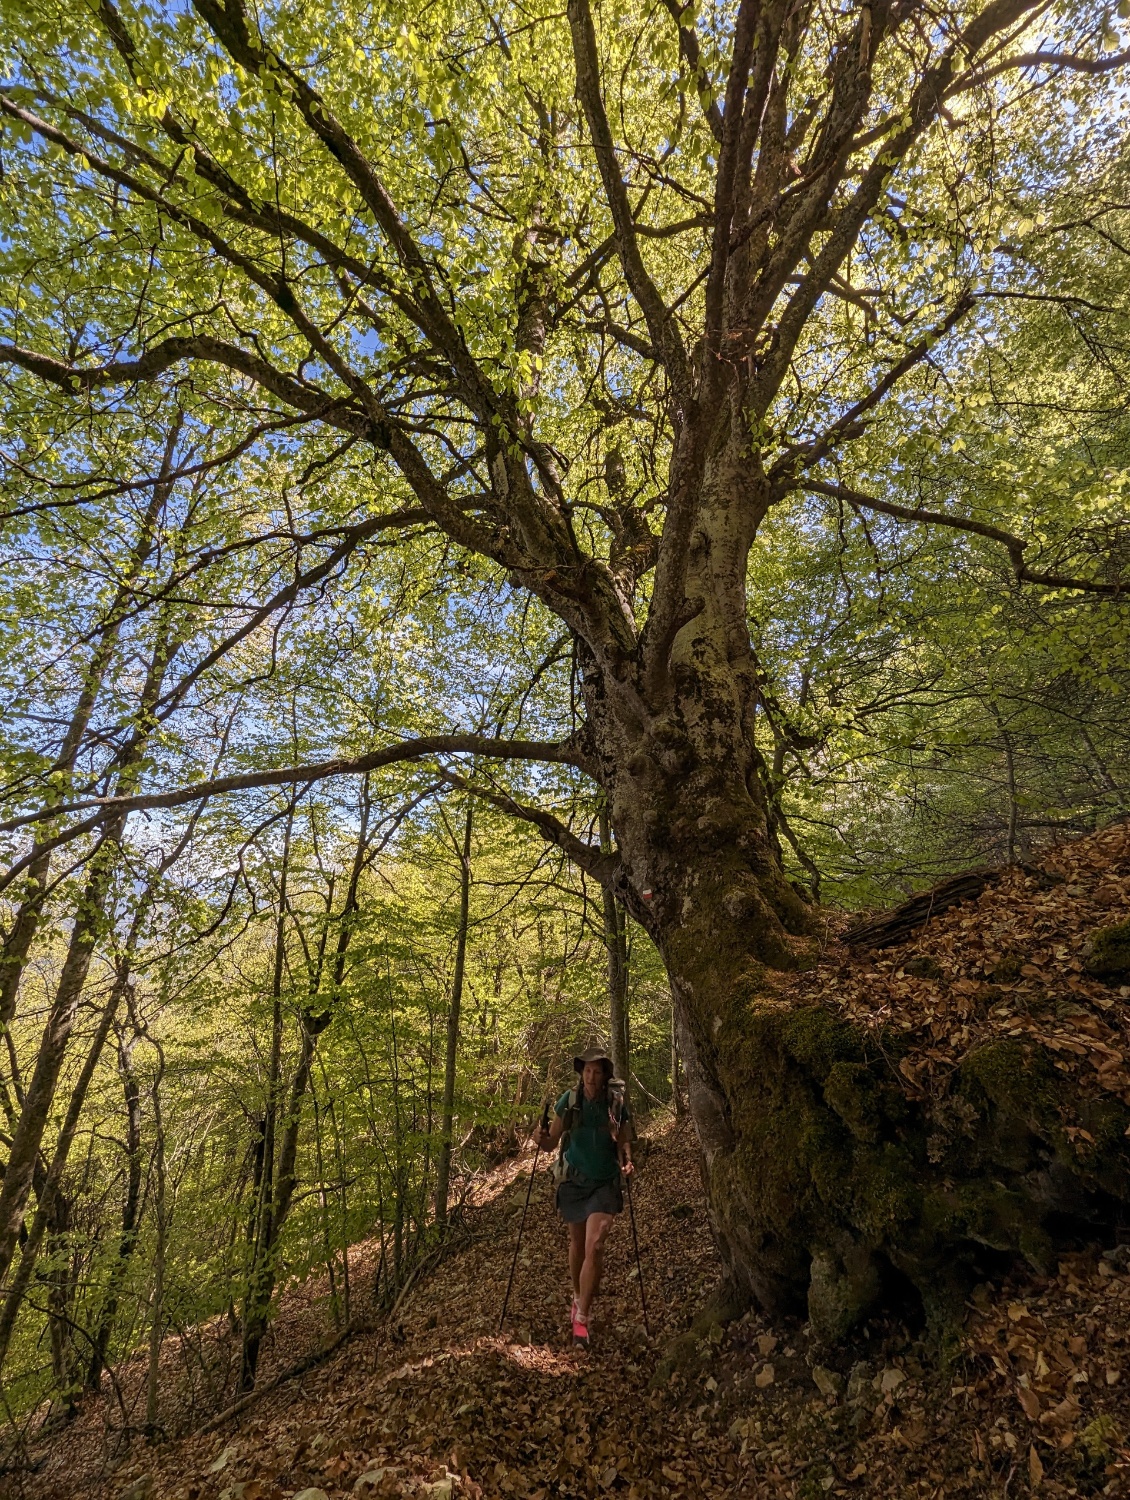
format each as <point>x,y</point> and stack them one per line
<point>591,1151</point>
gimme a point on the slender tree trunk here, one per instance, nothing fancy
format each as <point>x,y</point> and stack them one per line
<point>398,1163</point>
<point>47,1188</point>
<point>260,1279</point>
<point>276,1199</point>
<point>616,946</point>
<point>88,928</point>
<point>676,1085</point>
<point>17,944</point>
<point>60,1281</point>
<point>451,1054</point>
<point>44,1214</point>
<point>131,1208</point>
<point>161,1221</point>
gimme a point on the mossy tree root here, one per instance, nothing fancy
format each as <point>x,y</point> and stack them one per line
<point>840,1184</point>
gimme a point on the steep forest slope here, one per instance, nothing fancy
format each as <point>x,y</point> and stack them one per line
<point>1031,1395</point>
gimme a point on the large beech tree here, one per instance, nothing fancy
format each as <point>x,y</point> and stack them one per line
<point>600,291</point>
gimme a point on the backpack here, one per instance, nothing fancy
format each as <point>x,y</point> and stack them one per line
<point>617,1093</point>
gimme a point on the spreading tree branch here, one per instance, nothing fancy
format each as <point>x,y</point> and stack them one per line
<point>664,333</point>
<point>1013,545</point>
<point>588,857</point>
<point>104,809</point>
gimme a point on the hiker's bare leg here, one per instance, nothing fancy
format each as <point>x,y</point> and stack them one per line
<point>576,1255</point>
<point>596,1228</point>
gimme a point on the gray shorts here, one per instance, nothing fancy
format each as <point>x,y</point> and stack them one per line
<point>577,1199</point>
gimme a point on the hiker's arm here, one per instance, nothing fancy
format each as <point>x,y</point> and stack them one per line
<point>624,1149</point>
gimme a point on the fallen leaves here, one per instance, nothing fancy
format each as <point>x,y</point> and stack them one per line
<point>1035,1467</point>
<point>448,1410</point>
<point>1030,1402</point>
<point>1010,964</point>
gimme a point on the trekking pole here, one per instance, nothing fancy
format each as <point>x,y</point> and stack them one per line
<point>636,1244</point>
<point>522,1225</point>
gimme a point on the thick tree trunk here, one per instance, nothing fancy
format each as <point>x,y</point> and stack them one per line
<point>828,1183</point>
<point>824,1178</point>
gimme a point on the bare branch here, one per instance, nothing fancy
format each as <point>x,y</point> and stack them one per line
<point>847,426</point>
<point>229,21</point>
<point>689,47</point>
<point>602,867</point>
<point>77,380</point>
<point>1066,60</point>
<point>349,543</point>
<point>1013,545</point>
<point>664,333</point>
<point>550,752</point>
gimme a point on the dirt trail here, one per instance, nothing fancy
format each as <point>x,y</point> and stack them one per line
<point>1034,1400</point>
<point>1037,1402</point>
<point>440,1390</point>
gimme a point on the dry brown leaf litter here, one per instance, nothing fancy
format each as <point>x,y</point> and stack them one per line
<point>1044,1371</point>
<point>1010,964</point>
<point>441,1406</point>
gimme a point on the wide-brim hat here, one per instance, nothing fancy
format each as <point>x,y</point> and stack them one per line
<point>594,1054</point>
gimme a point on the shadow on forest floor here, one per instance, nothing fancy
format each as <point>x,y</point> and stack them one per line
<point>1038,1401</point>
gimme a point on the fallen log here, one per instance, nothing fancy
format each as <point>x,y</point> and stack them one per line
<point>890,928</point>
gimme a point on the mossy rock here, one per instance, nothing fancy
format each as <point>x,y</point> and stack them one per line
<point>1007,971</point>
<point>1108,953</point>
<point>839,1187</point>
<point>924,967</point>
<point>686,1355</point>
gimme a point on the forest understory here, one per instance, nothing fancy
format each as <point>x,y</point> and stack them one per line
<point>522,526</point>
<point>1032,1396</point>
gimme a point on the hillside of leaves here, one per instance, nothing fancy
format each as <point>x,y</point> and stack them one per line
<point>430,1398</point>
<point>1036,1401</point>
<point>1019,962</point>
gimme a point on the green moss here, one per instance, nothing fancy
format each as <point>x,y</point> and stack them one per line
<point>835,1171</point>
<point>843,1287</point>
<point>886,1192</point>
<point>924,967</point>
<point>992,1214</point>
<point>1008,969</point>
<point>850,1089</point>
<point>686,1355</point>
<point>818,1040</point>
<point>1021,1093</point>
<point>1108,954</point>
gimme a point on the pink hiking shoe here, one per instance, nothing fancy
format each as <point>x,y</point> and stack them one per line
<point>580,1326</point>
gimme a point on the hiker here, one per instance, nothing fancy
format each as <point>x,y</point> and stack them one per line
<point>594,1119</point>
